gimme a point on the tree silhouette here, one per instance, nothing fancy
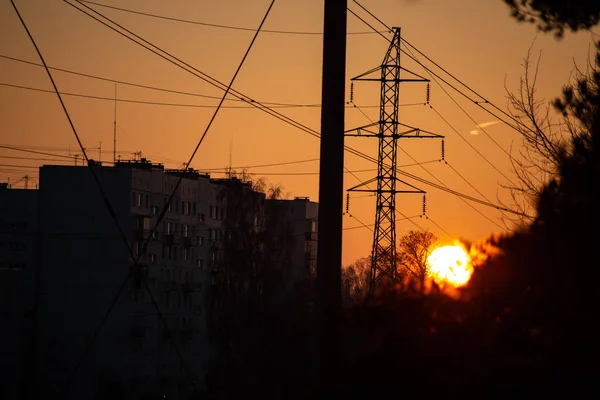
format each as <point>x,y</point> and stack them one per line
<point>543,290</point>
<point>355,281</point>
<point>415,247</point>
<point>544,142</point>
<point>556,15</point>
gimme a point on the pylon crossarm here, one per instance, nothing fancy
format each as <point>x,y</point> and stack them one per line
<point>423,79</point>
<point>361,128</point>
<point>358,78</point>
<point>416,189</point>
<point>366,183</point>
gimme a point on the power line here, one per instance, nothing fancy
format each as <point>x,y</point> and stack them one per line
<point>35,152</point>
<point>362,223</point>
<point>366,23</point>
<point>17,166</point>
<point>216,25</point>
<point>372,15</point>
<point>438,226</point>
<point>434,177</point>
<point>265,165</point>
<point>212,81</point>
<point>470,144</point>
<point>185,66</point>
<point>156,103</point>
<point>466,180</point>
<point>465,111</point>
<point>30,158</point>
<point>411,221</point>
<point>210,122</point>
<point>177,185</point>
<point>138,85</point>
<point>161,89</point>
<point>434,63</point>
<point>106,201</point>
<point>485,101</point>
<point>370,225</point>
<point>431,72</point>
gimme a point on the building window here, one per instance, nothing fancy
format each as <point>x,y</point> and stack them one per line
<point>152,258</point>
<point>138,199</point>
<point>202,217</point>
<point>175,253</point>
<point>18,225</point>
<point>182,207</point>
<point>194,207</point>
<point>146,223</point>
<point>168,228</point>
<point>200,240</point>
<point>185,254</point>
<point>18,246</point>
<point>210,212</point>
<point>185,230</point>
<point>154,210</point>
<point>146,200</point>
<point>200,263</point>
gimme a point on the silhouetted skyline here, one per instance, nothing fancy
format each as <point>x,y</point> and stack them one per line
<point>478,42</point>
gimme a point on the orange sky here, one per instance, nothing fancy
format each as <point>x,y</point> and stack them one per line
<point>475,40</point>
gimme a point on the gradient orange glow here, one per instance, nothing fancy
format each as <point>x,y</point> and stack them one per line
<point>450,265</point>
<point>477,41</point>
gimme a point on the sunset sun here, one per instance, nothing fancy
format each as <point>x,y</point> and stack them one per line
<point>450,264</point>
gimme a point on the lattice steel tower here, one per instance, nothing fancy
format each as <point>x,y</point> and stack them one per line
<point>383,255</point>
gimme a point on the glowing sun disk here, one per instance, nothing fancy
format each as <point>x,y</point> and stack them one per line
<point>450,264</point>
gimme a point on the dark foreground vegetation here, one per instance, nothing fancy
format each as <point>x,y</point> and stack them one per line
<point>524,325</point>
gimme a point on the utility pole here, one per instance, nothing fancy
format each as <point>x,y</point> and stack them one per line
<point>331,189</point>
<point>115,129</point>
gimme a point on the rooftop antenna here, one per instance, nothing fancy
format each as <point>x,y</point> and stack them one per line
<point>230,169</point>
<point>115,129</point>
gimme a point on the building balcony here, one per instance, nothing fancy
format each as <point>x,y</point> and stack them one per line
<point>138,234</point>
<point>169,239</point>
<point>169,285</point>
<point>186,334</point>
<point>138,332</point>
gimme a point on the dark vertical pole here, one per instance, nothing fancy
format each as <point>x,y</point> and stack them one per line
<point>331,189</point>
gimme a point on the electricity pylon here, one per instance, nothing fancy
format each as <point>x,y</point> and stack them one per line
<point>383,255</point>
